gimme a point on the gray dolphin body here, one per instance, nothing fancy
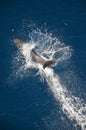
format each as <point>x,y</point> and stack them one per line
<point>35,57</point>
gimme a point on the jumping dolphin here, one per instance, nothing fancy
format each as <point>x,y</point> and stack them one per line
<point>35,57</point>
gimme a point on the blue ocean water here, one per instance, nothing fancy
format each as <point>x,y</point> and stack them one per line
<point>28,103</point>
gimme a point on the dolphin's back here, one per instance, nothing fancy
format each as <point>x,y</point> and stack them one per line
<point>39,59</point>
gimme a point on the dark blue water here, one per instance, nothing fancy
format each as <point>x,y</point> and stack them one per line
<point>28,104</point>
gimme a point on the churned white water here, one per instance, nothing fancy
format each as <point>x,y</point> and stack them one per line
<point>50,47</point>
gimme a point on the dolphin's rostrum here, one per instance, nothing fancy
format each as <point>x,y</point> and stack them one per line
<point>35,57</point>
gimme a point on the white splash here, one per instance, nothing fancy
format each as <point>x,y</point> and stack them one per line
<point>51,47</point>
<point>71,105</point>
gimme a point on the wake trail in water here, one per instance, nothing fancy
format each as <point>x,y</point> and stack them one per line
<point>50,47</point>
<point>71,105</point>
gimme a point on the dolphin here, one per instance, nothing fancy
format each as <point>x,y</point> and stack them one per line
<point>34,56</point>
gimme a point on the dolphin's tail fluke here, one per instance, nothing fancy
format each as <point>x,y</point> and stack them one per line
<point>48,63</point>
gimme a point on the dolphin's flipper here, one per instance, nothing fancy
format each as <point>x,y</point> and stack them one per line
<point>48,63</point>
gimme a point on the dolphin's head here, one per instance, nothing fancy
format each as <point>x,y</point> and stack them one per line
<point>18,42</point>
